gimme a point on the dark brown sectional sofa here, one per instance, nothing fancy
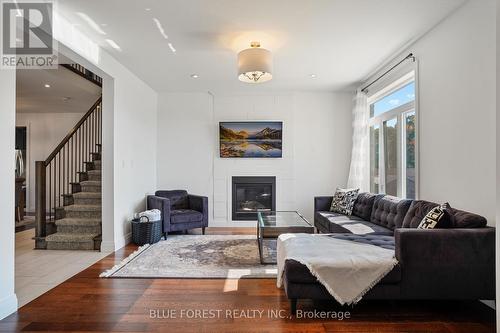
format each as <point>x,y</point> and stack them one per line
<point>453,263</point>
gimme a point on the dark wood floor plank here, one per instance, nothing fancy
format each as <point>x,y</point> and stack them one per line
<point>87,303</point>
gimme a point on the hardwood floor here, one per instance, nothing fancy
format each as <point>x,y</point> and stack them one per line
<point>86,302</point>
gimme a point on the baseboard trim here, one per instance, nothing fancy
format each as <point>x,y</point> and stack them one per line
<point>108,246</point>
<point>8,305</point>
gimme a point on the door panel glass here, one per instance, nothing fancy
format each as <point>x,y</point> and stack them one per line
<point>410,134</point>
<point>391,156</point>
<point>374,159</point>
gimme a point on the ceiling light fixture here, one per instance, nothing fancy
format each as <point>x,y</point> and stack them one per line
<point>255,65</point>
<point>313,76</point>
<point>147,9</point>
<point>195,76</point>
<point>47,85</point>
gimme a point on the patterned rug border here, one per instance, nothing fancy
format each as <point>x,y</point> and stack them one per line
<point>110,273</point>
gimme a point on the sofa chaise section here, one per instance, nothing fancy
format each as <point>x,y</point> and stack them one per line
<point>454,263</point>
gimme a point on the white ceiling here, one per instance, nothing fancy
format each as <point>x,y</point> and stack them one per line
<point>33,96</point>
<point>341,41</point>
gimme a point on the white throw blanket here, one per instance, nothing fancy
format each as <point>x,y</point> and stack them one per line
<point>347,269</point>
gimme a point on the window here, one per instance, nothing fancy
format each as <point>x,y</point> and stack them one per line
<point>393,139</point>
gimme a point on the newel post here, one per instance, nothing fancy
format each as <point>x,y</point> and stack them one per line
<point>40,204</point>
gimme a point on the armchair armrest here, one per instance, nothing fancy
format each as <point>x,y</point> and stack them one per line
<point>322,203</point>
<point>163,204</point>
<point>200,204</point>
<point>458,262</point>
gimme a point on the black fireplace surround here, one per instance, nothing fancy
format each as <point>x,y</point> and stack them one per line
<point>251,194</point>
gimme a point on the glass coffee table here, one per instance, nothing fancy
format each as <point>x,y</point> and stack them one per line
<point>271,224</point>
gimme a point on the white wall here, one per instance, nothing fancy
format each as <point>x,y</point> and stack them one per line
<point>456,85</point>
<point>498,162</point>
<point>45,132</point>
<point>316,146</point>
<point>8,299</point>
<point>457,110</point>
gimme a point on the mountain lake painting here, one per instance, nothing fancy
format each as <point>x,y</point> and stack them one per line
<point>251,139</point>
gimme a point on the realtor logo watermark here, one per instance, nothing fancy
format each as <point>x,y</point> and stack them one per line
<point>27,29</point>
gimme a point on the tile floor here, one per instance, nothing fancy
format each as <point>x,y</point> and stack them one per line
<point>38,271</point>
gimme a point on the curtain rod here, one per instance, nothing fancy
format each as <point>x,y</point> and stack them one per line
<point>409,56</point>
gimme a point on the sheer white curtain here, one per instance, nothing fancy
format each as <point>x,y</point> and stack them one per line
<point>359,170</point>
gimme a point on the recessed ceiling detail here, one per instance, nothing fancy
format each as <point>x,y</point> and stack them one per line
<point>340,41</point>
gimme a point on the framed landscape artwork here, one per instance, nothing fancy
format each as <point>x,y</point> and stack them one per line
<point>260,139</point>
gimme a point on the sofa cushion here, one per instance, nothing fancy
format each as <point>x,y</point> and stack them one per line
<point>383,241</point>
<point>417,211</point>
<point>321,222</point>
<point>389,211</point>
<point>459,218</point>
<point>364,205</point>
<point>343,200</point>
<point>438,217</point>
<point>178,198</point>
<point>185,216</point>
<point>339,223</point>
<point>463,219</point>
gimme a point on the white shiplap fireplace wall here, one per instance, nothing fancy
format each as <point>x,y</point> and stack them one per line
<point>316,146</point>
<point>251,108</point>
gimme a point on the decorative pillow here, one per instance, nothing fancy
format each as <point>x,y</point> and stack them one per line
<point>343,201</point>
<point>437,217</point>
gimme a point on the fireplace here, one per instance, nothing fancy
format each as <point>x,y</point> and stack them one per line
<point>251,194</point>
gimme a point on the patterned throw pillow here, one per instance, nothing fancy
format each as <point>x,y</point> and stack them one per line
<point>437,217</point>
<point>343,200</point>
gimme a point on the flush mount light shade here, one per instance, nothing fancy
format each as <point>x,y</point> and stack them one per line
<point>255,65</point>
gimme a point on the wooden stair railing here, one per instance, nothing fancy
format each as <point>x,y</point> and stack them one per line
<point>54,176</point>
<point>85,73</point>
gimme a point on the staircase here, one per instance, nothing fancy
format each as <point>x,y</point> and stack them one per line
<point>78,221</point>
<point>68,189</point>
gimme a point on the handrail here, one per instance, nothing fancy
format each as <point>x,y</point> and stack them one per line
<point>72,132</point>
<point>61,174</point>
<point>85,73</point>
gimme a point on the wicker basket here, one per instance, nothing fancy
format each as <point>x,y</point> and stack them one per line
<point>148,232</point>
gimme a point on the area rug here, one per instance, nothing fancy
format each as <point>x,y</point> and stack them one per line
<point>198,256</point>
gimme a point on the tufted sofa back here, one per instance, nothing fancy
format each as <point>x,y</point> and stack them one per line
<point>389,211</point>
<point>459,219</point>
<point>364,205</point>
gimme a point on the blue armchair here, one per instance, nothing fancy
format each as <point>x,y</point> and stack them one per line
<point>180,211</point>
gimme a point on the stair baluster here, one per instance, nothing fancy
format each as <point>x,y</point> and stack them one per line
<point>58,179</point>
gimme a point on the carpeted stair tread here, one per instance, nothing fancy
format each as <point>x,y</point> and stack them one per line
<point>82,208</point>
<point>91,183</point>
<point>95,172</point>
<point>78,222</point>
<point>70,238</point>
<point>87,195</point>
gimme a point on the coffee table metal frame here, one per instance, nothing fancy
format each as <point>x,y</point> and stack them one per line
<point>272,231</point>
